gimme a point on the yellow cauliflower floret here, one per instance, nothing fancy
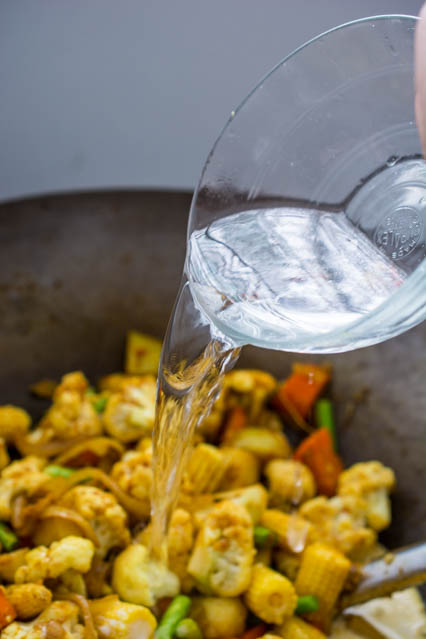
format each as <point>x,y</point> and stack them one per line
<point>223,555</point>
<point>290,483</point>
<point>13,421</point>
<point>43,563</point>
<point>219,617</point>
<point>71,415</point>
<point>140,579</point>
<point>339,521</point>
<point>24,476</point>
<point>242,468</point>
<point>116,619</point>
<point>134,476</point>
<point>59,621</point>
<point>129,414</point>
<point>257,385</point>
<point>101,509</point>
<point>373,482</point>
<point>29,600</point>
<point>180,539</point>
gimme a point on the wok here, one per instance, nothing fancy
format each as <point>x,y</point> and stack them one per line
<point>77,271</point>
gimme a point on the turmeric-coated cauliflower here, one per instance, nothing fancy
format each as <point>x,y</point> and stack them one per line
<point>290,483</point>
<point>29,600</point>
<point>141,579</point>
<point>13,421</point>
<point>129,414</point>
<point>373,482</point>
<point>180,539</point>
<point>134,476</point>
<point>105,515</point>
<point>40,563</point>
<point>115,619</point>
<point>59,621</point>
<point>71,415</point>
<point>24,476</point>
<point>339,521</point>
<point>223,554</point>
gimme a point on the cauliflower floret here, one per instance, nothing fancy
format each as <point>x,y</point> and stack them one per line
<point>373,482</point>
<point>13,421</point>
<point>29,600</point>
<point>140,579</point>
<point>58,621</point>
<point>129,414</point>
<point>71,414</point>
<point>341,522</point>
<point>223,555</point>
<point>116,619</point>
<point>101,509</point>
<point>290,483</point>
<point>134,476</point>
<point>180,539</point>
<point>42,563</point>
<point>20,477</point>
<point>254,384</point>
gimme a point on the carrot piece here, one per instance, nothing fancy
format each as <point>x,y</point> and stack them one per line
<point>235,421</point>
<point>7,611</point>
<point>253,633</point>
<point>302,388</point>
<point>317,452</point>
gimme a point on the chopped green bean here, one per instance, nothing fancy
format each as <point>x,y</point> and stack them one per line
<point>324,418</point>
<point>307,603</point>
<point>8,538</point>
<point>58,471</point>
<point>188,629</point>
<point>99,404</point>
<point>263,537</point>
<point>177,610</point>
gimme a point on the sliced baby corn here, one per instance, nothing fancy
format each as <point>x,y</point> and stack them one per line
<point>291,531</point>
<point>270,596</point>
<point>323,572</point>
<point>205,469</point>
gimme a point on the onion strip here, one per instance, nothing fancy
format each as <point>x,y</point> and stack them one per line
<point>101,446</point>
<point>90,631</point>
<point>43,448</point>
<point>58,512</point>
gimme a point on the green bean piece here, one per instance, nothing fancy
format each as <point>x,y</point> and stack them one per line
<point>324,418</point>
<point>99,404</point>
<point>188,629</point>
<point>58,471</point>
<point>307,603</point>
<point>177,610</point>
<point>8,538</point>
<point>263,537</point>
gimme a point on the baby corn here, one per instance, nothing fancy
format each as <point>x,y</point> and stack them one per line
<point>323,572</point>
<point>270,596</point>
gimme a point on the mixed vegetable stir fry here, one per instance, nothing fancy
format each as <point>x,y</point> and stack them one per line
<point>263,542</point>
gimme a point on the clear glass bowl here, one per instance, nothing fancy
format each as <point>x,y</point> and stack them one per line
<point>331,132</point>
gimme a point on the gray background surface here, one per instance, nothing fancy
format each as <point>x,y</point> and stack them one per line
<point>133,93</point>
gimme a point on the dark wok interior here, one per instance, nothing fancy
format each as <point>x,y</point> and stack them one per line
<point>77,271</point>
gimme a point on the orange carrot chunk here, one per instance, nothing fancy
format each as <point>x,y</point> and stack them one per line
<point>302,388</point>
<point>7,611</point>
<point>235,421</point>
<point>317,452</point>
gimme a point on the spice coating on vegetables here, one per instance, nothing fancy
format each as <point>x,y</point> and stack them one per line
<point>261,543</point>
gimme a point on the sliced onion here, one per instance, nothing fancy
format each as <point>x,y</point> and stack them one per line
<point>58,512</point>
<point>43,448</point>
<point>99,446</point>
<point>90,631</point>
